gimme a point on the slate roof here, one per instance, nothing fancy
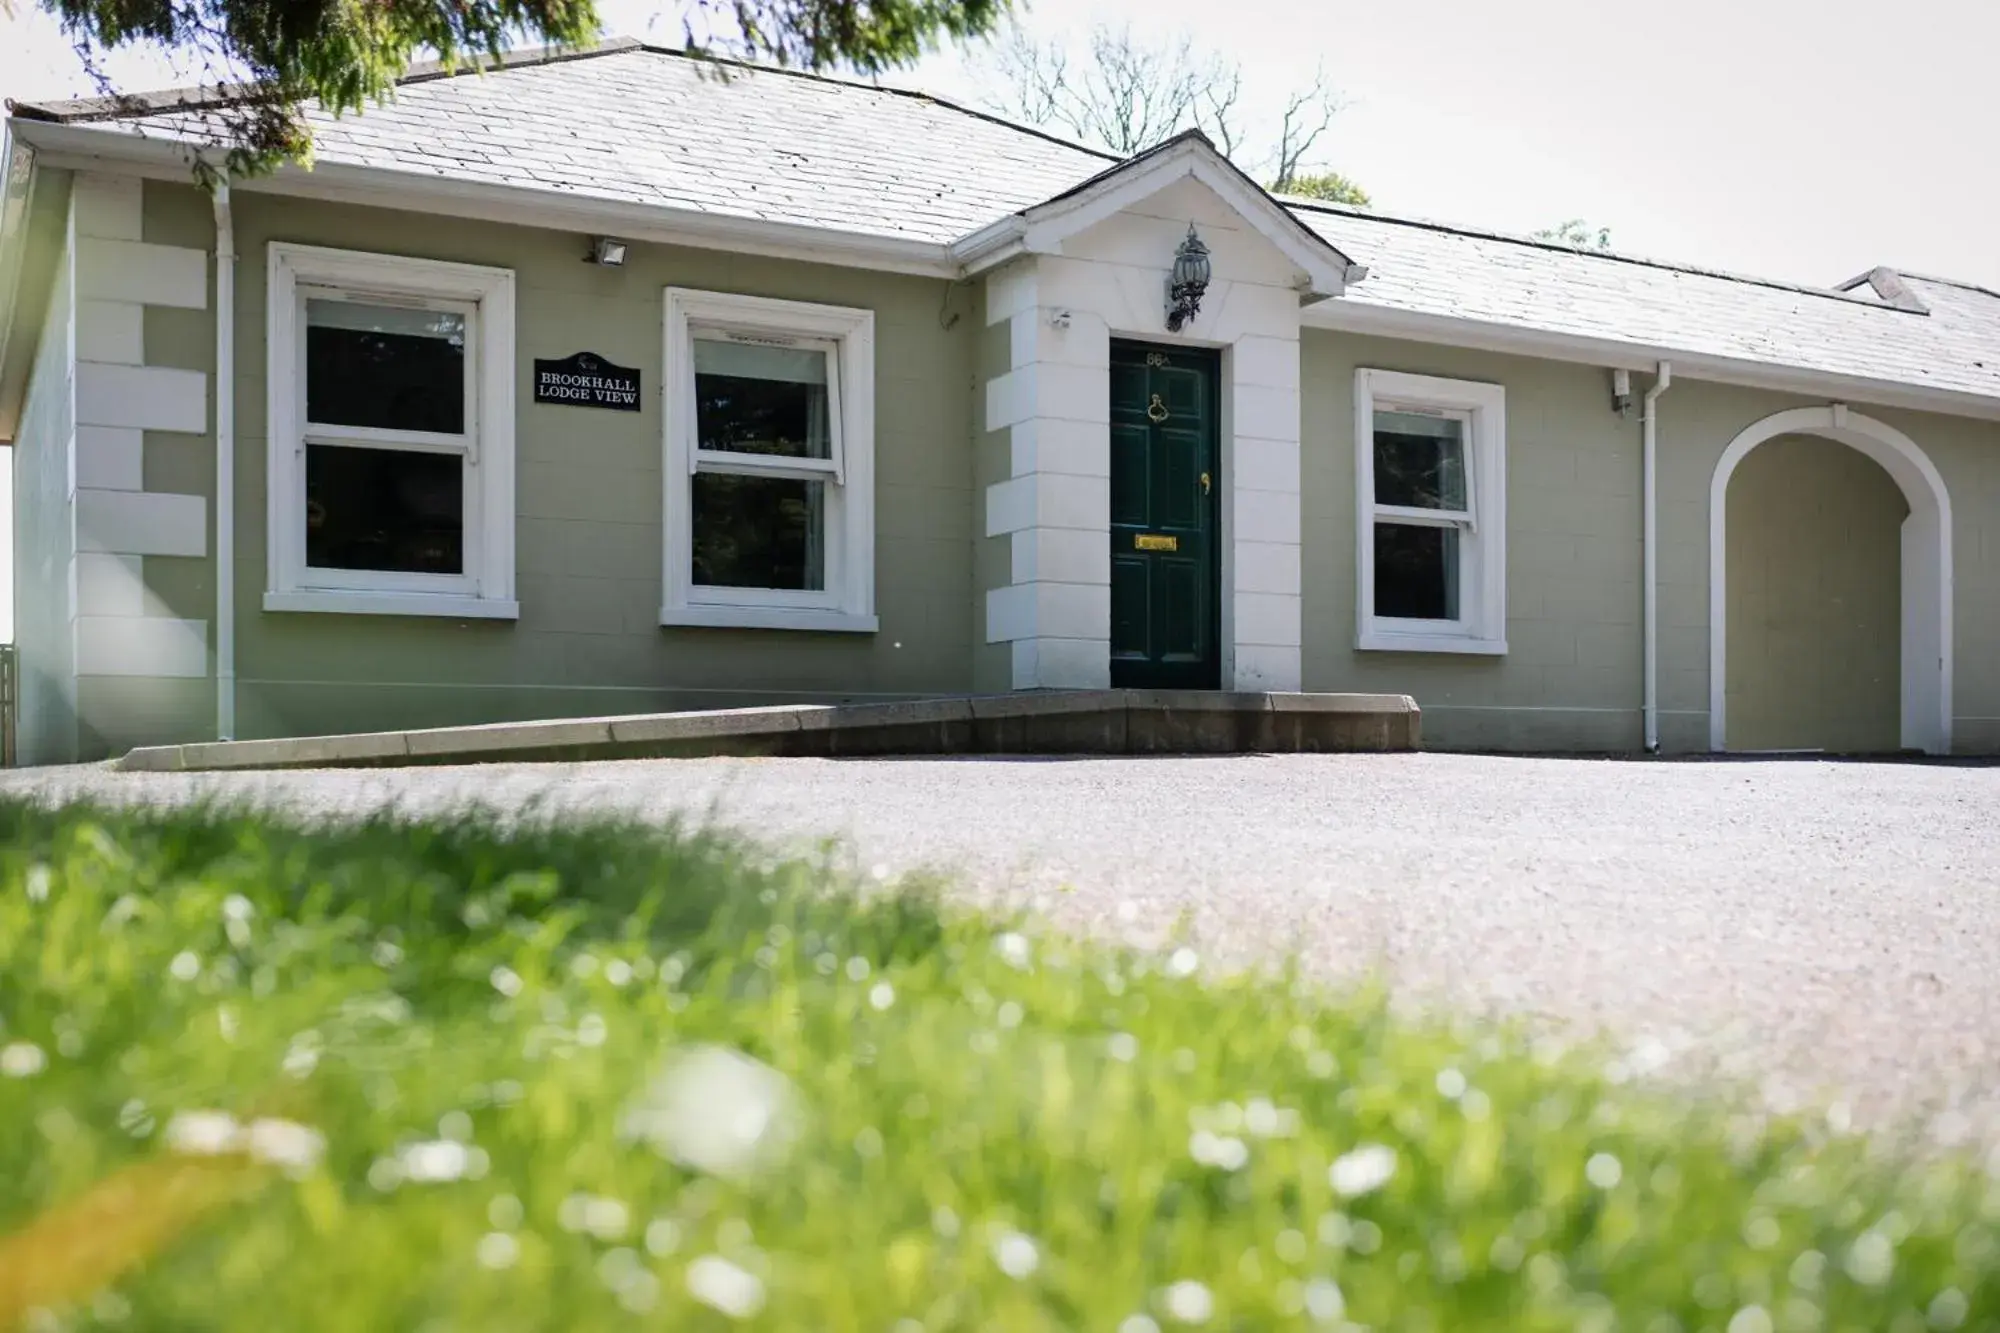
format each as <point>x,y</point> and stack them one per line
<point>637,124</point>
<point>1428,268</point>
<point>641,125</point>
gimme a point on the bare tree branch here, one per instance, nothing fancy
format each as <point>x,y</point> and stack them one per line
<point>1218,117</point>
<point>1126,93</point>
<point>1308,114</point>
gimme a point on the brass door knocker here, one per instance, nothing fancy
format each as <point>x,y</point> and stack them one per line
<point>1156,411</point>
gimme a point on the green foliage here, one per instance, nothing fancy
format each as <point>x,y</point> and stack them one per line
<point>973,1127</point>
<point>346,53</point>
<point>1328,185</point>
<point>1578,235</point>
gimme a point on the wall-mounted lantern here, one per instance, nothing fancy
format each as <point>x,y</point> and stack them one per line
<point>1188,283</point>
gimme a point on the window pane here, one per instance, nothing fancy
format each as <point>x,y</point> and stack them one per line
<point>753,399</point>
<point>1416,571</point>
<point>759,532</point>
<point>385,366</point>
<point>1419,460</point>
<point>384,509</point>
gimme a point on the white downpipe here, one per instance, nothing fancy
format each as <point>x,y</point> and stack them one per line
<point>1651,541</point>
<point>225,467</point>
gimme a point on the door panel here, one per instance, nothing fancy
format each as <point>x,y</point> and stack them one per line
<point>1131,605</point>
<point>1165,507</point>
<point>1128,475</point>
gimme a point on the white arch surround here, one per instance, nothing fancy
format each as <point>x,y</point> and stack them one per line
<point>1926,566</point>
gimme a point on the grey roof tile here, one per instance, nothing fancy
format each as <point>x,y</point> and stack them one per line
<point>1424,268</point>
<point>640,125</point>
<point>645,126</point>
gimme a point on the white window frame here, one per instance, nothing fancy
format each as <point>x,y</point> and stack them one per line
<point>847,602</point>
<point>1481,626</point>
<point>485,296</point>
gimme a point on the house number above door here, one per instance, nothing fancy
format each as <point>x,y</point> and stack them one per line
<point>1156,411</point>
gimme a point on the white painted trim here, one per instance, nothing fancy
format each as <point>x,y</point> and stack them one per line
<point>1927,585</point>
<point>112,207</point>
<point>141,522</point>
<point>356,603</point>
<point>1382,641</point>
<point>142,397</point>
<point>111,458</point>
<point>225,466</point>
<point>488,542</point>
<point>1482,627</point>
<point>141,646</point>
<point>848,600</point>
<point>112,332</point>
<point>142,273</point>
<point>84,148</point>
<point>769,617</point>
<point>1042,229</point>
<point>108,584</point>
<point>81,147</point>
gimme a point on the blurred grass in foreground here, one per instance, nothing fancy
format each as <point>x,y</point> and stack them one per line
<point>450,1076</point>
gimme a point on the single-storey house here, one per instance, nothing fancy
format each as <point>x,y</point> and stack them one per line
<point>603,383</point>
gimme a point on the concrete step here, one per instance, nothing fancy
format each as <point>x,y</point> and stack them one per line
<point>1042,722</point>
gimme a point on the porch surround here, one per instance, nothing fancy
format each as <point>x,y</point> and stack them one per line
<point>1068,276</point>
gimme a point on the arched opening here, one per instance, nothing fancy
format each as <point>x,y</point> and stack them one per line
<point>1815,625</point>
<point>1829,588</point>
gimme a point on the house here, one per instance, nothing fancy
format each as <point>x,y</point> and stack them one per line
<point>599,383</point>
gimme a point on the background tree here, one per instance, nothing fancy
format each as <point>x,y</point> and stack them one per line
<point>345,53</point>
<point>1329,186</point>
<point>1125,93</point>
<point>1578,235</point>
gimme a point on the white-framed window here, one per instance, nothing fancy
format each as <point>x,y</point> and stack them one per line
<point>391,435</point>
<point>770,464</point>
<point>1430,465</point>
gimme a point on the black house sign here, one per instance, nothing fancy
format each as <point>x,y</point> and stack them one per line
<point>587,380</point>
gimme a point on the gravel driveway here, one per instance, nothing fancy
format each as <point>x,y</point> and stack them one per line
<point>1831,928</point>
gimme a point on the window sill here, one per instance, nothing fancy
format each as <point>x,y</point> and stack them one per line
<point>712,616</point>
<point>448,606</point>
<point>1376,641</point>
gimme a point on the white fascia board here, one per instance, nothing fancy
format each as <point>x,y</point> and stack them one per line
<point>991,246</point>
<point>1351,316</point>
<point>84,148</point>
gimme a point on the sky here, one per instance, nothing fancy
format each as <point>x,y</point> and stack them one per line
<point>1801,139</point>
<point>1807,140</point>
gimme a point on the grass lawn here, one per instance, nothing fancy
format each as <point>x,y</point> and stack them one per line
<point>438,1077</point>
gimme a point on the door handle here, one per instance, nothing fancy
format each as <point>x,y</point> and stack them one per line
<point>1204,483</point>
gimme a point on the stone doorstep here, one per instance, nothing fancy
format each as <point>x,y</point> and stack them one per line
<point>1111,722</point>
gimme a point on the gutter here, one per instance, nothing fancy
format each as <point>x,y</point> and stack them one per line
<point>1650,468</point>
<point>1362,317</point>
<point>225,467</point>
<point>991,246</point>
<point>524,206</point>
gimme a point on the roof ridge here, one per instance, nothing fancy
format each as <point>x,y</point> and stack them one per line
<point>1606,256</point>
<point>1960,283</point>
<point>204,96</point>
<point>876,85</point>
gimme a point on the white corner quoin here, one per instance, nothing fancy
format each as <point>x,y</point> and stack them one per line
<point>1093,266</point>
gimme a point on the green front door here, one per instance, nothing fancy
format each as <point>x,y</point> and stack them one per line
<point>1164,500</point>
